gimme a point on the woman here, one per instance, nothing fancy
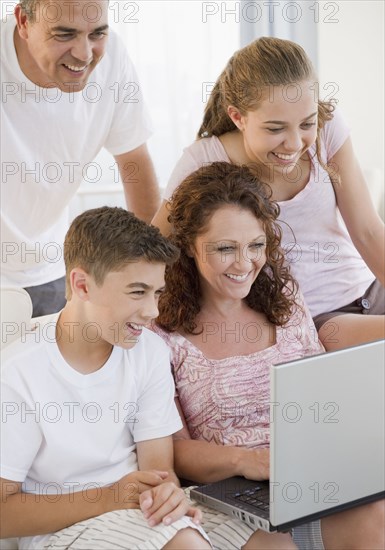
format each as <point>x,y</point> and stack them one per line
<point>229,311</point>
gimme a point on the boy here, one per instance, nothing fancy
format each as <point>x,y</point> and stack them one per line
<point>88,409</point>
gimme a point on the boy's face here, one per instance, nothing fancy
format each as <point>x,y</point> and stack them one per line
<point>127,300</point>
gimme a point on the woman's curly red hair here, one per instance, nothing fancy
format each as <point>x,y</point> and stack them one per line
<point>191,207</point>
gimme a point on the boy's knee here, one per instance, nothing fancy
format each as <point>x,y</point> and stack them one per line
<point>188,539</point>
<point>270,541</point>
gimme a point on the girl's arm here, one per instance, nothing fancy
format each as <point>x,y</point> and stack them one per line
<point>365,226</point>
<point>205,462</point>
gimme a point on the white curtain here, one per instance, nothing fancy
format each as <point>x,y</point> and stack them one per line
<point>179,49</point>
<point>297,21</point>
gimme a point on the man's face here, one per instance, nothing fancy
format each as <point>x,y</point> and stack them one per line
<point>64,43</point>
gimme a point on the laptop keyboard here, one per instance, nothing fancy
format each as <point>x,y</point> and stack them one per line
<point>258,497</point>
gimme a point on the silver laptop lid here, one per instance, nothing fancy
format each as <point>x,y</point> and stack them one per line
<point>327,431</point>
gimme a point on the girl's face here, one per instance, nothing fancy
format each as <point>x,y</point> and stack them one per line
<point>230,253</point>
<point>278,133</point>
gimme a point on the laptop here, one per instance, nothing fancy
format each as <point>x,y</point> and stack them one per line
<point>326,442</point>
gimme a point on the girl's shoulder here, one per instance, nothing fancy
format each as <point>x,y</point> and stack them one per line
<point>334,133</point>
<point>200,152</point>
<point>208,149</point>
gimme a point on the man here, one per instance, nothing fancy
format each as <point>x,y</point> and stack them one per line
<point>68,89</point>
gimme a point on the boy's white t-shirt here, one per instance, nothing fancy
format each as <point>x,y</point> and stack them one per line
<point>49,140</point>
<point>63,431</point>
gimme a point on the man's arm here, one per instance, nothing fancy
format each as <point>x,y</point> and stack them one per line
<point>160,219</point>
<point>139,181</point>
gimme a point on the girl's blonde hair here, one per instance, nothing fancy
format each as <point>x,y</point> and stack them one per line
<point>249,76</point>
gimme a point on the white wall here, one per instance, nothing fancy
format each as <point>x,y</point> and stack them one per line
<point>173,47</point>
<point>350,65</point>
<point>351,60</point>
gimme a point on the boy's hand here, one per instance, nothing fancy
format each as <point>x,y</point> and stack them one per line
<point>126,492</point>
<point>167,503</point>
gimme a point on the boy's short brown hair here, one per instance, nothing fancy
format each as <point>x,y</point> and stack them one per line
<point>106,239</point>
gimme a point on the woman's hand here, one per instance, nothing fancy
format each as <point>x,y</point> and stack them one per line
<point>255,464</point>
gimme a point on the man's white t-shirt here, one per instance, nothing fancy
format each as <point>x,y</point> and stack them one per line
<point>49,140</point>
<point>63,431</point>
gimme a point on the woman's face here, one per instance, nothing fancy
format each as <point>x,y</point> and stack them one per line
<point>230,253</point>
<point>278,133</point>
